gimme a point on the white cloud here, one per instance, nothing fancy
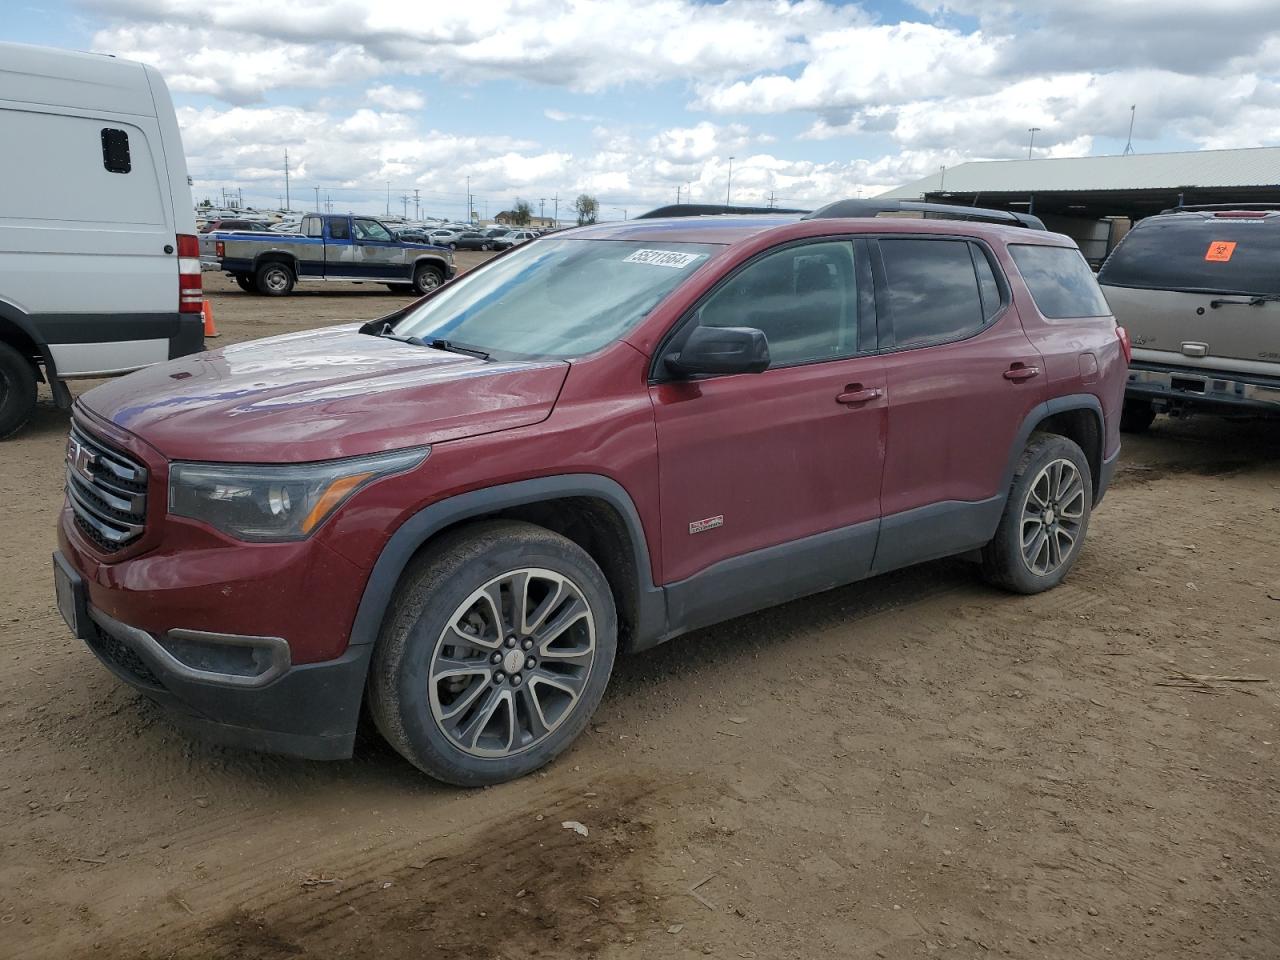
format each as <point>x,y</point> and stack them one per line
<point>395,98</point>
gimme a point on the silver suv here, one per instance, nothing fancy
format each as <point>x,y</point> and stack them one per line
<point>1198,289</point>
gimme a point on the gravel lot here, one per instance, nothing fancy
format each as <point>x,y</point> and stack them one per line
<point>910,767</point>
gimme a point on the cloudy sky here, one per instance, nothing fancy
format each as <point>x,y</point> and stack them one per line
<point>631,100</point>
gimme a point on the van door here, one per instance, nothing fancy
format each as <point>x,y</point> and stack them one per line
<point>87,236</point>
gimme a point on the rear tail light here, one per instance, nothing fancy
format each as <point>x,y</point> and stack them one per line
<point>220,248</point>
<point>190,286</point>
<point>1125,346</point>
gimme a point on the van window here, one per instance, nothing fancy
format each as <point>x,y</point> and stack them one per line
<point>1060,281</point>
<point>804,298</point>
<point>933,291</point>
<point>1196,253</point>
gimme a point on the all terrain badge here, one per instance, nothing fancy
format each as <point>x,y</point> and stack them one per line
<point>702,526</point>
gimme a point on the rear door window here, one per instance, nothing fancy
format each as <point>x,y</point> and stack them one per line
<point>1060,281</point>
<point>339,230</point>
<point>1199,254</point>
<point>933,291</point>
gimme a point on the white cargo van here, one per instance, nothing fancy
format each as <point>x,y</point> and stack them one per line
<point>99,260</point>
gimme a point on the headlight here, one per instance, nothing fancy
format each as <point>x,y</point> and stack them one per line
<point>287,502</point>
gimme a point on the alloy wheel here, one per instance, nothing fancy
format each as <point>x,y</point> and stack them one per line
<point>1052,516</point>
<point>512,662</point>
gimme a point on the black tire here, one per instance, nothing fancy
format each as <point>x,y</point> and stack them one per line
<point>246,283</point>
<point>486,247</point>
<point>426,278</point>
<point>1004,559</point>
<point>17,391</point>
<point>432,592</point>
<point>1136,416</point>
<point>274,279</point>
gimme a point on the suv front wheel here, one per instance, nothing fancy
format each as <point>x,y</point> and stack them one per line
<point>495,653</point>
<point>1045,518</point>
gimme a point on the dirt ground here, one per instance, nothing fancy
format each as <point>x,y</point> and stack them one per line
<point>914,766</point>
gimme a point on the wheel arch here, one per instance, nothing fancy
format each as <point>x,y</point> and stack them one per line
<point>1078,417</point>
<point>276,256</point>
<point>20,333</point>
<point>434,260</point>
<point>593,511</point>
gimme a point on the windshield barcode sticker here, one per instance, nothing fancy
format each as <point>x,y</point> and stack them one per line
<point>664,258</point>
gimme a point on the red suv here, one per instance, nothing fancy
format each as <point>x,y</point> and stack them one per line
<point>459,514</point>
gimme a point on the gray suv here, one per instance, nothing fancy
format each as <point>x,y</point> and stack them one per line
<point>1198,289</point>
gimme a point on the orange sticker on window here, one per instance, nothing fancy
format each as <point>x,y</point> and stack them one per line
<point>1220,250</point>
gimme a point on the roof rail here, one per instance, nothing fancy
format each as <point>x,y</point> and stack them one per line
<point>1192,208</point>
<point>708,209</point>
<point>946,211</point>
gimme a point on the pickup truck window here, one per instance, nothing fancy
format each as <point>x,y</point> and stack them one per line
<point>339,229</point>
<point>557,298</point>
<point>372,230</point>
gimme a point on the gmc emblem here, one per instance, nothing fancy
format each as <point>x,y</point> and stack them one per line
<point>80,459</point>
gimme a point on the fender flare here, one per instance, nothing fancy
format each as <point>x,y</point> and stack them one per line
<point>432,258</point>
<point>430,520</point>
<point>276,256</point>
<point>1041,412</point>
<point>19,319</point>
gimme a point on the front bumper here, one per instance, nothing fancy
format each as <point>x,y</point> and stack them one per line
<point>260,701</point>
<point>1175,387</point>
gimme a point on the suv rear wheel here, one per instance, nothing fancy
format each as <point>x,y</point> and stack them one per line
<point>17,391</point>
<point>1136,416</point>
<point>1045,518</point>
<point>496,651</point>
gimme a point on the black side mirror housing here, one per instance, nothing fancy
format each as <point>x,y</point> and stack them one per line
<point>720,350</point>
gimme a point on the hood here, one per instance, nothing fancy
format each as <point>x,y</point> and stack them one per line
<point>320,395</point>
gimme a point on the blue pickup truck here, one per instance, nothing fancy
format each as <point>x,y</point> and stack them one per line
<point>329,247</point>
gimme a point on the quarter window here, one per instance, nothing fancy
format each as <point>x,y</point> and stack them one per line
<point>313,227</point>
<point>933,290</point>
<point>1060,281</point>
<point>804,299</point>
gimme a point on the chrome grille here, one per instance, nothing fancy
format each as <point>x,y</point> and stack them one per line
<point>108,492</point>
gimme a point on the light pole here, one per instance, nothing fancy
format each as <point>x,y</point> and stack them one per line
<point>729,185</point>
<point>317,189</point>
<point>1032,142</point>
<point>624,211</point>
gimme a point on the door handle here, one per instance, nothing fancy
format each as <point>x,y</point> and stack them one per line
<point>855,394</point>
<point>1020,371</point>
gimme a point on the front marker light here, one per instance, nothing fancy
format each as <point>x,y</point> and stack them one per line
<point>273,502</point>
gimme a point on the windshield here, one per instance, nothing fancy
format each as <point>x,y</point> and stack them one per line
<point>556,297</point>
<point>1210,254</point>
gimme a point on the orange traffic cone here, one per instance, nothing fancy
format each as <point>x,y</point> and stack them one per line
<point>206,308</point>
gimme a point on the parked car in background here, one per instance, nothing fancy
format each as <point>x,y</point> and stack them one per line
<point>513,238</point>
<point>1198,289</point>
<point>471,240</point>
<point>99,258</point>
<point>330,247</point>
<point>492,232</point>
<point>464,511</point>
<point>226,225</point>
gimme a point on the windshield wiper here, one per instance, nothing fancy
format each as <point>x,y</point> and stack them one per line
<point>438,343</point>
<point>1255,300</point>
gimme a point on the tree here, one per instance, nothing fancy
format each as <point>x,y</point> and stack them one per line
<point>587,208</point>
<point>521,213</point>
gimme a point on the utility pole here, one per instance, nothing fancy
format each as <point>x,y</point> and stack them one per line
<point>729,185</point>
<point>542,210</point>
<point>388,198</point>
<point>328,202</point>
<point>772,196</point>
<point>286,179</point>
<point>678,186</point>
<point>1128,147</point>
<point>468,217</point>
<point>406,198</point>
<point>416,211</point>
<point>1032,142</point>
<point>556,216</point>
<point>317,189</point>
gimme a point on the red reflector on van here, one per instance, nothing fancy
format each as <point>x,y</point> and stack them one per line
<point>190,283</point>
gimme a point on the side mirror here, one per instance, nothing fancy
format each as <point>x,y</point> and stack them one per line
<point>720,350</point>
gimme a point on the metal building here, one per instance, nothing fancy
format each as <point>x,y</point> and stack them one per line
<point>1093,199</point>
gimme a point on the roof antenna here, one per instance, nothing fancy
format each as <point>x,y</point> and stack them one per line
<point>1128,147</point>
